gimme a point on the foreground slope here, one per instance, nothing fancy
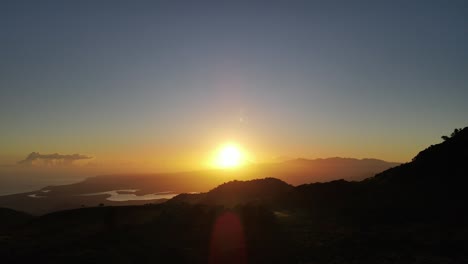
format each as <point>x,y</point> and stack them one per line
<point>11,219</point>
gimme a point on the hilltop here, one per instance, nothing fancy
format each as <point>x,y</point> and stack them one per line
<point>258,191</point>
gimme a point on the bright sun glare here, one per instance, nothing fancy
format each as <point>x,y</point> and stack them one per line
<point>229,156</point>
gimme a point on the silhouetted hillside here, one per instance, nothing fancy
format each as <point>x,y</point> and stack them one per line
<point>10,219</point>
<point>434,182</point>
<point>440,163</point>
<point>431,186</point>
<point>167,233</point>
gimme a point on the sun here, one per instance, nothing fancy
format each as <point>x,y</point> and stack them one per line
<point>229,156</point>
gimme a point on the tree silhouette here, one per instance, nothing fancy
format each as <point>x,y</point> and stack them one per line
<point>454,133</point>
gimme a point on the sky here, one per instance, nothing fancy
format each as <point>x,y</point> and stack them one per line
<point>162,84</point>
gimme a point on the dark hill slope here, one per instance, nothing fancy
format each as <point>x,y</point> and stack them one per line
<point>166,233</point>
<point>430,187</point>
<point>443,163</point>
<point>435,180</point>
<point>10,219</point>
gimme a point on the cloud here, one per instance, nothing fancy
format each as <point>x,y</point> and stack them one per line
<point>35,158</point>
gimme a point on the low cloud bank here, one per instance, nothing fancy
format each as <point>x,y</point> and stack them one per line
<point>36,158</point>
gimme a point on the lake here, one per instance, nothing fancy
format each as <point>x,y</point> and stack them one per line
<point>129,195</point>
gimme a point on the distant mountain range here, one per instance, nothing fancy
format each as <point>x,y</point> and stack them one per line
<point>295,172</point>
<point>413,213</point>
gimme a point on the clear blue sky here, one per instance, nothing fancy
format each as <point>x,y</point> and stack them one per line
<point>159,80</point>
